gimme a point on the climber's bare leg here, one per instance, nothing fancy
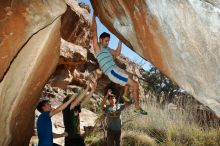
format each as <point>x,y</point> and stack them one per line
<point>135,91</point>
<point>126,89</point>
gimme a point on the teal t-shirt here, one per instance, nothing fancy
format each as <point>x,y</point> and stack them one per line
<point>105,60</point>
<point>113,115</point>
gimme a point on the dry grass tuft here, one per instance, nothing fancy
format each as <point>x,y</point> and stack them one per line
<point>162,127</point>
<point>131,138</point>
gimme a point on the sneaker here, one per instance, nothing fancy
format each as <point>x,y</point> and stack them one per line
<point>126,99</point>
<point>140,111</point>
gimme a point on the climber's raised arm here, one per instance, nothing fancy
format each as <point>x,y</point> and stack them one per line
<point>94,35</point>
<point>79,97</point>
<point>115,53</point>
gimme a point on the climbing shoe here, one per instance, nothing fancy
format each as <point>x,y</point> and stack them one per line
<point>140,111</point>
<point>126,99</point>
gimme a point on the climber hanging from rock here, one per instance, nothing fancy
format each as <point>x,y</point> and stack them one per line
<point>105,57</point>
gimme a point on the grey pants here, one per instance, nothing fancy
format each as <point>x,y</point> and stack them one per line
<point>113,137</point>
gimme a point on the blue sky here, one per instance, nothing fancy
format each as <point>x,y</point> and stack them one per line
<point>114,42</point>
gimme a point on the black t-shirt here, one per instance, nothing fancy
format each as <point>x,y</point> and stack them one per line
<point>71,122</point>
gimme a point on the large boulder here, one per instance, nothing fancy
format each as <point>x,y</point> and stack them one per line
<point>181,38</point>
<point>29,44</point>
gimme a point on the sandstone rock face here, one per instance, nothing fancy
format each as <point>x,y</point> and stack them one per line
<point>75,26</point>
<point>20,88</point>
<point>181,38</point>
<point>29,44</point>
<point>21,19</point>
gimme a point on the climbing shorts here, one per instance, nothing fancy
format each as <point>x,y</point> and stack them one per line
<point>118,76</point>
